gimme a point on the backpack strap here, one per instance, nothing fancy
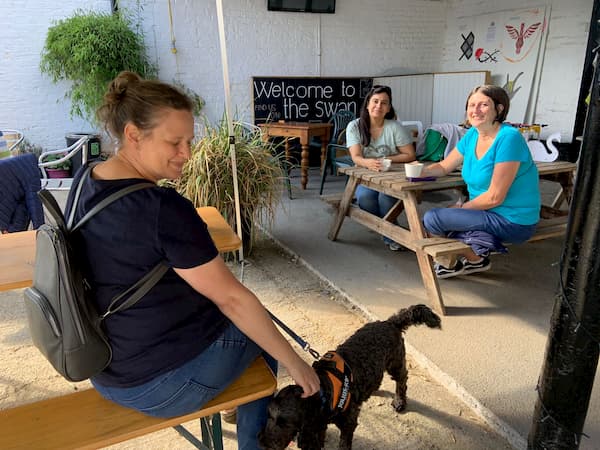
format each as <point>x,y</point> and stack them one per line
<point>144,284</point>
<point>101,204</point>
<point>86,174</point>
<point>137,291</point>
<point>53,208</point>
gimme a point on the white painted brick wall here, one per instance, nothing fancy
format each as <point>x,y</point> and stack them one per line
<point>387,37</point>
<point>29,100</point>
<point>379,37</point>
<point>563,62</point>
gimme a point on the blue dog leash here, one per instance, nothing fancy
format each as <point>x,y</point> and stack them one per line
<point>339,380</point>
<point>301,342</point>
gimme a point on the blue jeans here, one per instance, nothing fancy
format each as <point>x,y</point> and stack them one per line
<point>375,203</point>
<point>441,221</point>
<point>187,388</point>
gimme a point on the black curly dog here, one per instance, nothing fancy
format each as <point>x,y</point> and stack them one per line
<point>373,349</point>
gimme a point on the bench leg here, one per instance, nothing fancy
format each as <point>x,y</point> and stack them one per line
<point>212,434</point>
<point>425,261</point>
<point>342,209</point>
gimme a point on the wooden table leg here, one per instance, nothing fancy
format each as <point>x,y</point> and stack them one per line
<point>304,164</point>
<point>287,149</point>
<point>566,192</point>
<point>343,208</point>
<point>430,281</point>
<point>323,153</point>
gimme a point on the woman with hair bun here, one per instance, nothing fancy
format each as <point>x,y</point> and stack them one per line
<point>198,328</point>
<point>502,180</point>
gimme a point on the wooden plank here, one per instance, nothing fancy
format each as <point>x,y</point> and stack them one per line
<point>332,199</point>
<point>85,420</point>
<point>17,258</point>
<point>384,228</point>
<point>221,233</point>
<point>343,208</point>
<point>438,247</point>
<point>17,250</point>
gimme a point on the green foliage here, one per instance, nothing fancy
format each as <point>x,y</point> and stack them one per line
<point>27,147</point>
<point>65,165</point>
<point>195,97</point>
<point>207,177</point>
<point>90,49</point>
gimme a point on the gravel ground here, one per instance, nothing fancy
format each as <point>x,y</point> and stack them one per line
<point>434,418</point>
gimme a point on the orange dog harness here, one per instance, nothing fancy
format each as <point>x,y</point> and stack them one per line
<point>337,374</point>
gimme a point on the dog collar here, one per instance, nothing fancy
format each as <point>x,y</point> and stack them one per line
<point>338,375</point>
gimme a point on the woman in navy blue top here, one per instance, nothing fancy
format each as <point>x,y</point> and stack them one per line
<point>198,328</point>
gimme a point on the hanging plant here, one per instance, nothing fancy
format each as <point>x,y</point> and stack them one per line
<point>89,50</point>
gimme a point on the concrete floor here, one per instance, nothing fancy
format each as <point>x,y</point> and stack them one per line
<point>491,349</point>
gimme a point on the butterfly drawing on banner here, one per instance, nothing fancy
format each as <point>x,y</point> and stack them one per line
<point>521,34</point>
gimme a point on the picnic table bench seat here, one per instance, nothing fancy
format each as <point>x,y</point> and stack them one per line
<point>444,250</point>
<point>85,420</point>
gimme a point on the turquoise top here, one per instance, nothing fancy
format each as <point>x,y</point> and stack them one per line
<point>522,202</point>
<point>393,135</point>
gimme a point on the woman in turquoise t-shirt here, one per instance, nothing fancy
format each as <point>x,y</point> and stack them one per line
<point>502,180</point>
<point>373,136</point>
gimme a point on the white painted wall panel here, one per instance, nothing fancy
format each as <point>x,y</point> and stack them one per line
<point>560,76</point>
<point>450,92</point>
<point>412,96</point>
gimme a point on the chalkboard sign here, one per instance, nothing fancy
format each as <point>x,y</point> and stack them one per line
<point>306,99</point>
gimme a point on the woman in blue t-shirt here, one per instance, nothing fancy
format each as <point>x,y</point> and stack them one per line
<point>375,135</point>
<point>198,328</point>
<point>502,180</point>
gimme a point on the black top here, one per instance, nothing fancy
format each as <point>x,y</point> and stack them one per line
<point>172,323</point>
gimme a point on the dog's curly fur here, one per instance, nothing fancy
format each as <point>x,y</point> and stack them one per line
<point>375,348</point>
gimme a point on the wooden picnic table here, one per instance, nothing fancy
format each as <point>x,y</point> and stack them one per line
<point>17,250</point>
<point>395,184</point>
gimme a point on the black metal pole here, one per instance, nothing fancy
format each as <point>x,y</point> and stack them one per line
<point>567,377</point>
<point>586,80</point>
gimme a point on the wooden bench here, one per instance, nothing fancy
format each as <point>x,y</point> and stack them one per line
<point>445,250</point>
<point>85,420</point>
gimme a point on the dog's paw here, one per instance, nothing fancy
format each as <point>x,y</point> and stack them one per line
<point>399,405</point>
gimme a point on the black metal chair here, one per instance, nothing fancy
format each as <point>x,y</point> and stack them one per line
<point>338,156</point>
<point>340,121</point>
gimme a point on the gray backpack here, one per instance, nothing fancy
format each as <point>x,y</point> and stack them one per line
<point>63,322</point>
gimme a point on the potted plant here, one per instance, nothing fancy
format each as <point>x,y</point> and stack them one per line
<point>58,170</point>
<point>207,177</point>
<point>89,50</point>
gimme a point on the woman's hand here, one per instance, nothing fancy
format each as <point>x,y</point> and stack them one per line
<point>373,164</point>
<point>305,377</point>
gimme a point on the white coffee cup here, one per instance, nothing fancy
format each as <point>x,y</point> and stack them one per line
<point>386,163</point>
<point>413,170</point>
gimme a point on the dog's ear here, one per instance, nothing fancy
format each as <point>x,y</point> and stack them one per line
<point>297,391</point>
<point>292,390</point>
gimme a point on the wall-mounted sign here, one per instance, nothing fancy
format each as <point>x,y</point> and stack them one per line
<point>306,98</point>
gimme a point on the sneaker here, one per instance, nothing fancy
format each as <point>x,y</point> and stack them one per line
<point>448,272</point>
<point>395,247</point>
<point>473,267</point>
<point>229,415</point>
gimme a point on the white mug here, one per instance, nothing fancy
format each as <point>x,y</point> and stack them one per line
<point>413,170</point>
<point>386,163</point>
